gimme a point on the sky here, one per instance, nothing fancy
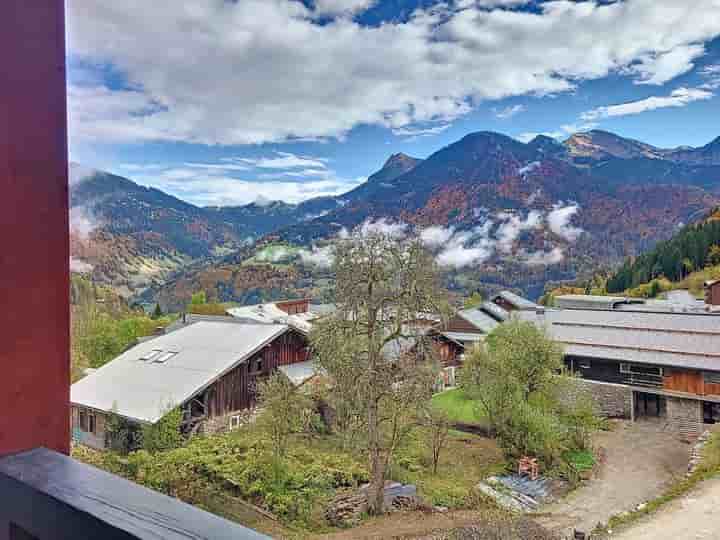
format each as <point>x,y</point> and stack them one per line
<point>225,102</point>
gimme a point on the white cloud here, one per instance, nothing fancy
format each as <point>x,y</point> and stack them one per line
<point>318,256</point>
<point>384,227</point>
<point>512,225</point>
<point>711,74</point>
<point>285,160</point>
<point>416,132</point>
<point>530,167</point>
<point>538,258</point>
<point>436,236</point>
<point>509,112</point>
<point>661,67</point>
<point>459,256</point>
<point>340,7</point>
<point>560,218</point>
<point>678,98</point>
<point>267,70</point>
<point>213,188</point>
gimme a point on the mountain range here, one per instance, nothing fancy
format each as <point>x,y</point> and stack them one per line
<point>500,210</point>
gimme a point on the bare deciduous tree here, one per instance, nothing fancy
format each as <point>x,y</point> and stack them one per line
<point>372,346</point>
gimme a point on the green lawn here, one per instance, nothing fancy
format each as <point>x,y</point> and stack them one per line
<point>458,406</point>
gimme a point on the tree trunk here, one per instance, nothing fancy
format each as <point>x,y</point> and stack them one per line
<point>376,490</point>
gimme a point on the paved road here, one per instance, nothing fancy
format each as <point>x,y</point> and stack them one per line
<point>693,517</point>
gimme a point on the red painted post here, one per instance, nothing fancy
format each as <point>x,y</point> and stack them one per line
<point>34,289</point>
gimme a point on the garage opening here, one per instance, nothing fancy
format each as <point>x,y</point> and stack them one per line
<point>649,405</point>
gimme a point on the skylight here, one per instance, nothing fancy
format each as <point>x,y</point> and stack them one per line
<point>164,357</point>
<point>152,355</point>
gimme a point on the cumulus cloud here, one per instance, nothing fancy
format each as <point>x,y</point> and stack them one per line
<point>267,70</point>
<point>318,256</point>
<point>559,220</point>
<point>341,7</point>
<point>509,112</point>
<point>512,225</point>
<point>678,98</point>
<point>384,227</point>
<point>436,236</point>
<point>544,258</point>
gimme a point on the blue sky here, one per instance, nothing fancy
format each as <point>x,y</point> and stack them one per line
<point>224,102</point>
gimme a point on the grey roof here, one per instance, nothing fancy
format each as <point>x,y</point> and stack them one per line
<point>463,337</point>
<point>495,311</point>
<point>143,389</point>
<point>187,319</point>
<point>518,301</point>
<point>479,319</point>
<point>299,373</point>
<point>665,339</point>
<point>585,301</point>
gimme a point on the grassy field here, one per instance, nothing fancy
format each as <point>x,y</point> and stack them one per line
<point>458,407</point>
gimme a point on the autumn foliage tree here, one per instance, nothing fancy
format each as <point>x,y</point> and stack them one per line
<point>371,347</point>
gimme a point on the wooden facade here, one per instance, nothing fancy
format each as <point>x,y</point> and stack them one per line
<point>712,293</point>
<point>293,307</point>
<point>237,389</point>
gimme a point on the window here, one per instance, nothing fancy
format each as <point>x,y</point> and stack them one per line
<point>711,377</point>
<point>637,369</point>
<point>86,421</point>
<point>235,421</point>
<point>256,365</point>
<point>584,364</point>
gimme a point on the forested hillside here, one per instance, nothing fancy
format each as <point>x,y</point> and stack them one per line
<point>692,248</point>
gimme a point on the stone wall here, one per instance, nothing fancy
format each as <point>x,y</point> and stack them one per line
<point>611,400</point>
<point>685,416</point>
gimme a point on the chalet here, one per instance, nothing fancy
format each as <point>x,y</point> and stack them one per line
<point>465,329</point>
<point>209,368</point>
<point>296,313</point>
<point>660,364</point>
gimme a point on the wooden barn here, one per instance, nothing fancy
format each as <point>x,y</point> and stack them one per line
<point>210,369</point>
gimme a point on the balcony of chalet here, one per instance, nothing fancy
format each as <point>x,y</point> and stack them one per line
<point>45,494</point>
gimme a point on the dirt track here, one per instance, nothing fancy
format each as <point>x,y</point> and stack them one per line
<point>693,517</point>
<point>640,459</point>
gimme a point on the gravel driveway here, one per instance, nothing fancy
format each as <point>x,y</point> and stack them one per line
<point>640,459</point>
<point>695,516</point>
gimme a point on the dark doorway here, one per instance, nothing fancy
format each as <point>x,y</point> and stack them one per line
<point>649,405</point>
<point>711,412</point>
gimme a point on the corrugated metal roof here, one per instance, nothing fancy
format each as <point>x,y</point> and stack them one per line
<point>479,319</point>
<point>143,390</point>
<point>679,339</point>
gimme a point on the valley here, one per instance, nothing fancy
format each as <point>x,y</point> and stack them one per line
<point>497,213</point>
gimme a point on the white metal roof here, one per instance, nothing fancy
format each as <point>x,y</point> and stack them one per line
<point>269,313</point>
<point>464,336</point>
<point>143,390</point>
